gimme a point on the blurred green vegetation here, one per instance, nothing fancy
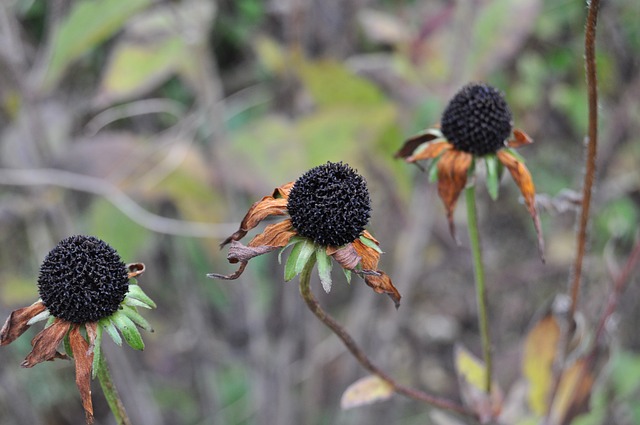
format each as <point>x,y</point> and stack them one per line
<point>195,109</point>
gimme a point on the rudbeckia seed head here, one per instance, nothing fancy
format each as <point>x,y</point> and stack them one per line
<point>477,120</point>
<point>82,280</point>
<point>330,204</point>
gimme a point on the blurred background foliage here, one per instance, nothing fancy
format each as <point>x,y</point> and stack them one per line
<point>155,124</point>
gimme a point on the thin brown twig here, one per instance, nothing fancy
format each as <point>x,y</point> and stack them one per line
<point>361,356</point>
<point>590,171</point>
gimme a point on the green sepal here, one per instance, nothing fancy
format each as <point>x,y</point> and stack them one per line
<point>515,154</point>
<point>371,244</point>
<point>67,345</point>
<point>347,274</point>
<point>45,314</point>
<point>137,293</point>
<point>128,330</point>
<point>493,175</point>
<point>97,352</point>
<point>294,240</point>
<point>132,314</point>
<point>50,321</point>
<point>300,254</point>
<point>132,302</point>
<point>433,170</point>
<point>324,268</point>
<point>111,330</point>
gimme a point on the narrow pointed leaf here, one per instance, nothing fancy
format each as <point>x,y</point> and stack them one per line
<point>136,292</point>
<point>347,274</point>
<point>97,351</point>
<point>307,250</point>
<point>371,244</point>
<point>132,302</point>
<point>111,330</point>
<point>294,240</point>
<point>67,346</point>
<point>137,318</point>
<point>324,268</point>
<point>368,390</point>
<point>43,315</point>
<point>493,176</point>
<point>128,330</point>
<point>290,266</point>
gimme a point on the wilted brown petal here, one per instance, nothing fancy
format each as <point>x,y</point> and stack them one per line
<point>380,282</point>
<point>16,323</point>
<point>431,151</point>
<point>45,344</point>
<point>239,253</point>
<point>84,361</point>
<point>520,138</point>
<point>523,180</point>
<point>92,332</point>
<point>135,269</point>
<point>411,144</point>
<point>452,177</point>
<point>346,256</point>
<point>276,235</point>
<point>275,204</point>
<point>232,276</point>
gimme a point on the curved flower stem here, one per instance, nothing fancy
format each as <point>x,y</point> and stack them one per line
<point>111,393</point>
<point>590,169</point>
<point>361,356</point>
<point>481,290</point>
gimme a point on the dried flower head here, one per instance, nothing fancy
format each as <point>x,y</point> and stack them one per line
<point>84,286</point>
<point>329,204</point>
<point>82,280</point>
<point>476,126</point>
<point>328,208</point>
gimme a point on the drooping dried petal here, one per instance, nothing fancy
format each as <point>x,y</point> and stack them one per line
<point>452,177</point>
<point>84,360</point>
<point>46,343</point>
<point>16,323</point>
<point>135,269</point>
<point>379,281</point>
<point>275,204</point>
<point>432,151</point>
<point>276,235</point>
<point>239,253</point>
<point>523,180</point>
<point>92,332</point>
<point>520,138</point>
<point>346,256</point>
<point>411,144</point>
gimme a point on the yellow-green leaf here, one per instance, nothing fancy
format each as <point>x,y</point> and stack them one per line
<point>89,23</point>
<point>364,391</point>
<point>539,352</point>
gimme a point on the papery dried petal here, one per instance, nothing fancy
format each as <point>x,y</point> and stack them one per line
<point>520,138</point>
<point>432,151</point>
<point>275,204</point>
<point>135,269</point>
<point>379,281</point>
<point>92,332</point>
<point>45,343</point>
<point>382,285</point>
<point>239,253</point>
<point>346,256</point>
<point>523,180</point>
<point>84,361</point>
<point>16,323</point>
<point>276,235</point>
<point>411,144</point>
<point>453,167</point>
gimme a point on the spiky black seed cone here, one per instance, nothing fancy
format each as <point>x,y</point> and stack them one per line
<point>330,204</point>
<point>477,120</point>
<point>82,280</point>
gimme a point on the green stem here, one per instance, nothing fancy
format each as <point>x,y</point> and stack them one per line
<point>361,356</point>
<point>111,393</point>
<point>481,290</point>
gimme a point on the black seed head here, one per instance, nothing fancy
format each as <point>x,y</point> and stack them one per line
<point>477,120</point>
<point>82,280</point>
<point>330,204</point>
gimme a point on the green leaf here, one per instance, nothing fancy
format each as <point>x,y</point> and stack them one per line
<point>371,244</point>
<point>136,318</point>
<point>299,256</point>
<point>88,24</point>
<point>97,351</point>
<point>433,170</point>
<point>132,302</point>
<point>347,274</point>
<point>324,268</point>
<point>137,293</point>
<point>128,329</point>
<point>294,240</point>
<point>67,345</point>
<point>111,330</point>
<point>493,178</point>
